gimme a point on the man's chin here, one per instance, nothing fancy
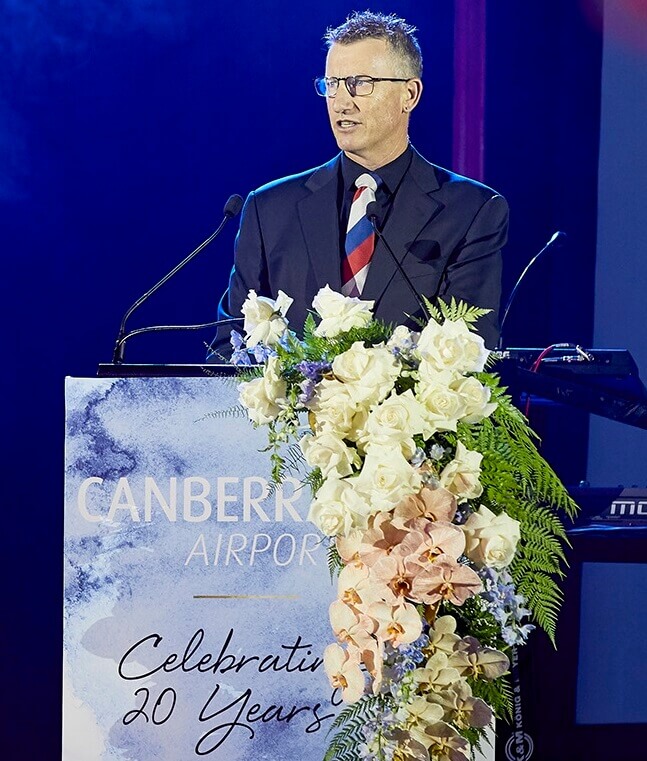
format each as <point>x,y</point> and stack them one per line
<point>346,143</point>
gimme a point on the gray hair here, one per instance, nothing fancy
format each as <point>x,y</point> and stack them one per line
<point>366,25</point>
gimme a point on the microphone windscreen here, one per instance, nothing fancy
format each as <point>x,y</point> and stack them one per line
<point>233,206</point>
<point>373,212</point>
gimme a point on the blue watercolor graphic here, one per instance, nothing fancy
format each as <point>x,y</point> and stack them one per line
<point>159,546</point>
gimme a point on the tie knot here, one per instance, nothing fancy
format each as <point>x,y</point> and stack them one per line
<point>366,180</point>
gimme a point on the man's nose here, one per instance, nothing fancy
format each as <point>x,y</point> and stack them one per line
<point>343,101</point>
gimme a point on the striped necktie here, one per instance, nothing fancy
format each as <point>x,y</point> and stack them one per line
<point>360,237</point>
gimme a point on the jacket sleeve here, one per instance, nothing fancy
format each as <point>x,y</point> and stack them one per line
<point>473,272</point>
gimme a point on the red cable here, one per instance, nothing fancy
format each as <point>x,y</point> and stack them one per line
<point>537,363</point>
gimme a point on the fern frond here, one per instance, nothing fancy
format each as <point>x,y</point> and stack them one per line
<point>433,310</point>
<point>237,411</point>
<point>497,694</point>
<point>543,598</point>
<point>460,310</point>
<point>314,479</point>
<point>351,722</point>
<point>335,563</point>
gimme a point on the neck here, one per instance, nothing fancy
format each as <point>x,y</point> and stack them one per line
<point>375,161</point>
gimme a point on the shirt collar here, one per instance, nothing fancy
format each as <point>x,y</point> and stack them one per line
<point>391,174</point>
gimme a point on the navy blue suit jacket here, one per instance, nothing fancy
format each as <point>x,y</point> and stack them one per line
<point>446,230</point>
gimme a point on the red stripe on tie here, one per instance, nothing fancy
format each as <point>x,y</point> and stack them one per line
<point>361,255</point>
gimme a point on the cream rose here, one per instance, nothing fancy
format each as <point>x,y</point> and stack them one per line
<point>334,408</point>
<point>452,346</point>
<point>491,540</point>
<point>339,313</point>
<point>476,399</point>
<point>444,406</point>
<point>369,373</point>
<point>328,452</point>
<point>264,397</point>
<point>394,423</point>
<point>386,478</point>
<point>265,318</point>
<point>461,475</point>
<point>339,508</point>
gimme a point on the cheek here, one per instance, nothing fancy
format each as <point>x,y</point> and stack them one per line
<point>385,116</point>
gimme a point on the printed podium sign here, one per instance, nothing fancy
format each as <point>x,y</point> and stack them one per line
<point>196,596</point>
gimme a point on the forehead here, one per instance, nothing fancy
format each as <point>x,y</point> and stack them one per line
<point>373,57</point>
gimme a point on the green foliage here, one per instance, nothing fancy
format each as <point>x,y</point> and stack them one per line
<point>456,310</point>
<point>543,597</point>
<point>314,479</point>
<point>351,721</point>
<point>248,373</point>
<point>474,620</point>
<point>335,563</point>
<point>497,694</point>
<point>516,479</point>
<point>281,431</point>
<point>319,347</point>
<point>237,411</point>
<point>473,735</point>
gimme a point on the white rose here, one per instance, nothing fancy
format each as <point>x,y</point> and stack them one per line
<point>491,540</point>
<point>265,318</point>
<point>369,373</point>
<point>264,397</point>
<point>386,478</point>
<point>338,508</point>
<point>394,423</point>
<point>443,404</point>
<point>339,313</point>
<point>461,475</point>
<point>328,452</point>
<point>476,398</point>
<point>452,346</point>
<point>334,408</point>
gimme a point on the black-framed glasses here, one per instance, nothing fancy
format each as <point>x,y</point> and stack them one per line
<point>356,85</point>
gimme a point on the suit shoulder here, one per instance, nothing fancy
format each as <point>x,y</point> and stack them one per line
<point>456,183</point>
<point>451,184</point>
<point>295,186</point>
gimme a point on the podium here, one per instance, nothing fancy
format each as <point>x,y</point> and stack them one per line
<point>196,596</point>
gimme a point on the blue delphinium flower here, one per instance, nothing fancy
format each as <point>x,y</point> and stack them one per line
<point>262,353</point>
<point>400,661</point>
<point>313,371</point>
<point>240,356</point>
<point>378,746</point>
<point>507,607</point>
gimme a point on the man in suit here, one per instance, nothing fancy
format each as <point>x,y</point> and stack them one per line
<point>446,231</point>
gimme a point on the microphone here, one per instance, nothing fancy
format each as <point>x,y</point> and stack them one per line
<point>373,214</point>
<point>161,328</point>
<point>556,237</point>
<point>232,208</point>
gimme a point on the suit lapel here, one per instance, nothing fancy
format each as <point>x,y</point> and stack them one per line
<point>319,219</point>
<point>413,208</point>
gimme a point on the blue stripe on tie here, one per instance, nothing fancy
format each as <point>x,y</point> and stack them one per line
<point>360,232</point>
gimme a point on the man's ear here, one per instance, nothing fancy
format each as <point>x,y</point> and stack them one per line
<point>413,93</point>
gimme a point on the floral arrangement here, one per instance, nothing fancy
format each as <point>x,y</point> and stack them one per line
<point>440,514</point>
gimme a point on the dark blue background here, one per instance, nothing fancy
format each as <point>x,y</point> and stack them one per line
<point>124,127</point>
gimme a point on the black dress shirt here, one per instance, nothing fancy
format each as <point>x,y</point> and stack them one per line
<point>390,174</point>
